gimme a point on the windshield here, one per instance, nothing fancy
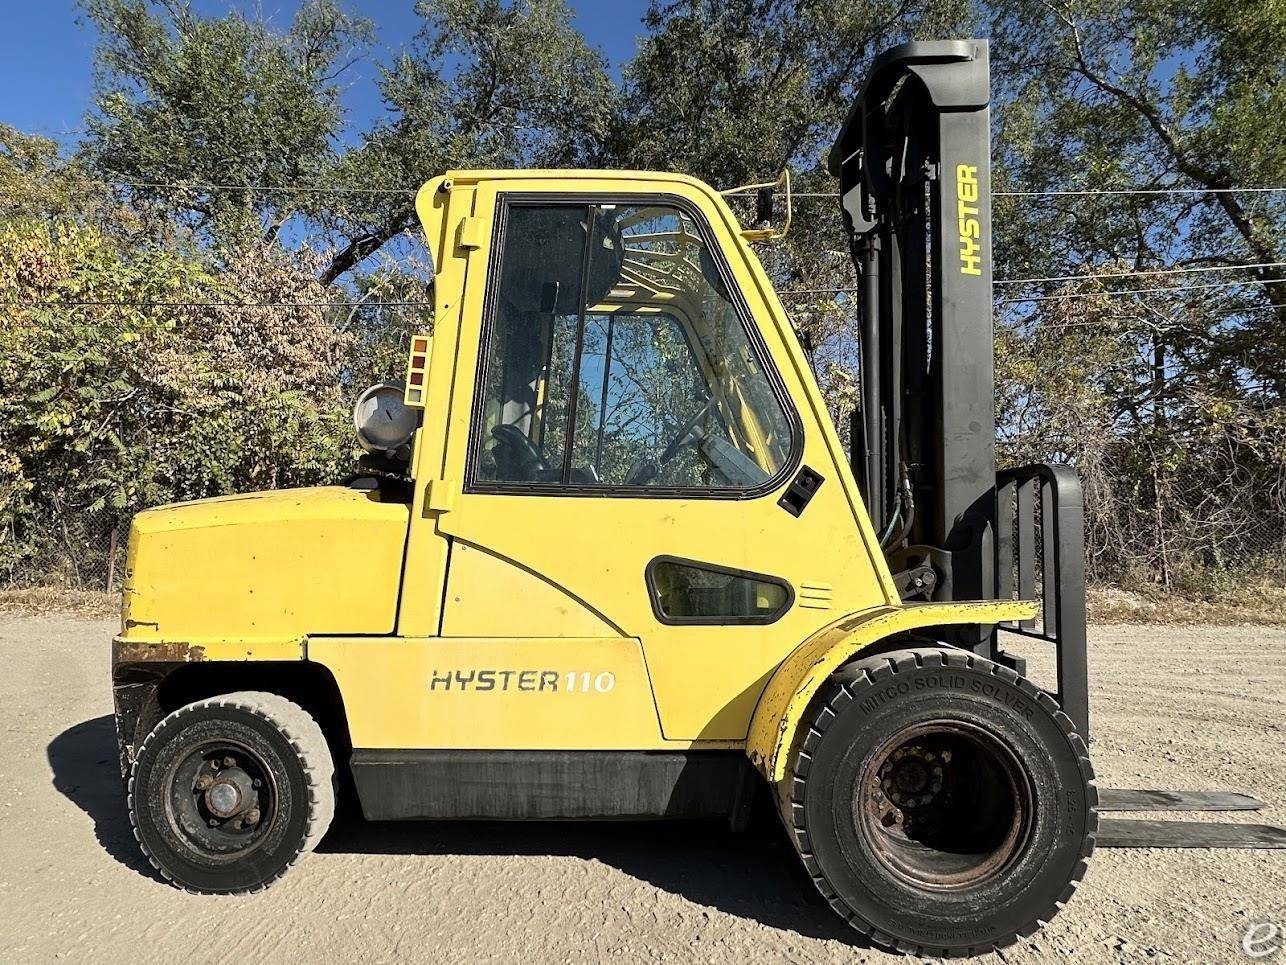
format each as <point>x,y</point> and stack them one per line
<point>616,357</point>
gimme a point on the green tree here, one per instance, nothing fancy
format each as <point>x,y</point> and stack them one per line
<point>201,101</point>
<point>485,84</point>
<point>1176,423</point>
<point>732,91</point>
<point>1161,397</point>
<point>1160,95</point>
<point>133,374</point>
<point>35,182</point>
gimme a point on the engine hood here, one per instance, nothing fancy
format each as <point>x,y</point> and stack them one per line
<point>272,565</point>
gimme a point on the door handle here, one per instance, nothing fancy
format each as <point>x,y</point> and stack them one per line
<point>800,491</point>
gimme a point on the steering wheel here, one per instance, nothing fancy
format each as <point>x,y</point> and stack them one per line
<point>685,430</point>
<point>527,459</point>
<point>644,470</point>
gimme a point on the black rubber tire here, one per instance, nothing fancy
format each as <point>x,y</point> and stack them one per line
<point>857,712</point>
<point>289,743</point>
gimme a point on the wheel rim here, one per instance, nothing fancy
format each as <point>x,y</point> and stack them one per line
<point>944,805</point>
<point>221,800</point>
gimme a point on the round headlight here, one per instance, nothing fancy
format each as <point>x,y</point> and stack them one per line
<point>384,424</point>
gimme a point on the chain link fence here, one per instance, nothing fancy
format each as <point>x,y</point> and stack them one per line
<point>81,550</point>
<point>1186,529</point>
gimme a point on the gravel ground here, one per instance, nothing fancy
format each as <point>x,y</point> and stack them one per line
<point>1174,707</point>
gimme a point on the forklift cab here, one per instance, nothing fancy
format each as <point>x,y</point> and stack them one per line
<point>621,432</point>
<point>614,318</point>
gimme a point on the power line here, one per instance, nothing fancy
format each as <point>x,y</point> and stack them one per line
<point>1081,193</point>
<point>1139,291</point>
<point>114,303</point>
<point>263,188</point>
<point>1062,278</point>
<point>1128,274</point>
<point>106,303</point>
<point>1044,326</point>
<point>423,303</point>
<point>1129,191</point>
<point>832,195</point>
<point>819,291</point>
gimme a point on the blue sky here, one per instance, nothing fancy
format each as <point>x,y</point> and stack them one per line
<point>47,53</point>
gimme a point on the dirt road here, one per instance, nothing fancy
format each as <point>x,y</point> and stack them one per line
<point>1184,708</point>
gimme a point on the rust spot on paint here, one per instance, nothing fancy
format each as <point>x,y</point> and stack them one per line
<point>125,651</point>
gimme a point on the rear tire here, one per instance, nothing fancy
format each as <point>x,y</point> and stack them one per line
<point>941,803</point>
<point>227,793</point>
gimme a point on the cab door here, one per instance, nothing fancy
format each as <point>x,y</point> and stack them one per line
<point>636,457</point>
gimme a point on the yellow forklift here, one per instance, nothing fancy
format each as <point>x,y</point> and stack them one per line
<point>608,558</point>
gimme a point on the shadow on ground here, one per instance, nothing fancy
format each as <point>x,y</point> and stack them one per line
<point>753,875</point>
<point>86,769</point>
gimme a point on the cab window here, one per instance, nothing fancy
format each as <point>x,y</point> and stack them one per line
<point>615,358</point>
<point>688,592</point>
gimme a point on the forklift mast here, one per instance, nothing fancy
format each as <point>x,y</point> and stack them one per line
<point>913,162</point>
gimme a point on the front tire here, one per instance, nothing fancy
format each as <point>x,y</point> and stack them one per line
<point>227,793</point>
<point>941,803</point>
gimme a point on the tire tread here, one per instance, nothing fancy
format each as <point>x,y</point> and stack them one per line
<point>300,731</point>
<point>841,692</point>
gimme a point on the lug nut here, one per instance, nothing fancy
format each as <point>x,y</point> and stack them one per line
<point>252,816</point>
<point>203,782</point>
<point>229,761</point>
<point>213,823</point>
<point>256,783</point>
